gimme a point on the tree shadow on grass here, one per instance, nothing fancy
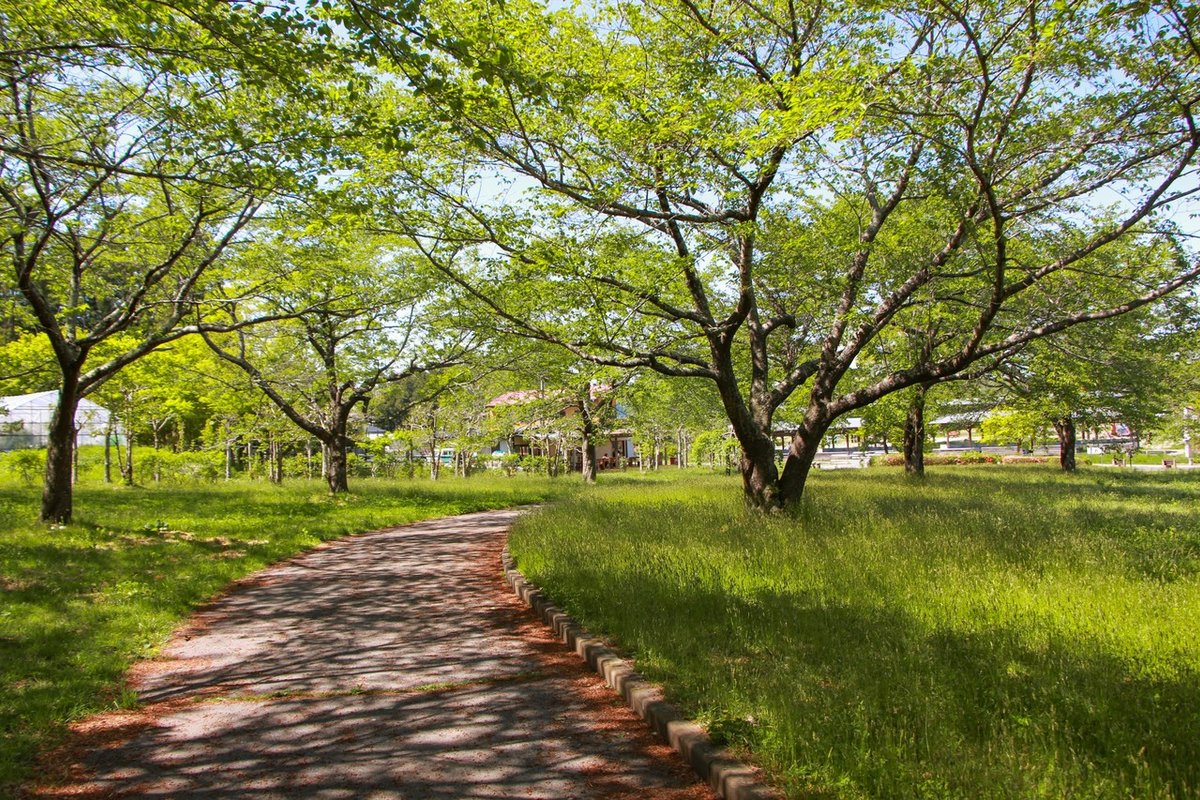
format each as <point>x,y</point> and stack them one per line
<point>870,696</point>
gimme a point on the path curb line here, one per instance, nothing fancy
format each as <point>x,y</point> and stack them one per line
<point>729,777</point>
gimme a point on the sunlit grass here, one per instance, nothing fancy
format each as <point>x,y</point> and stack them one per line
<point>79,603</point>
<point>987,632</point>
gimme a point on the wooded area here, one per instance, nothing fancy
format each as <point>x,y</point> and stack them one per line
<point>264,226</point>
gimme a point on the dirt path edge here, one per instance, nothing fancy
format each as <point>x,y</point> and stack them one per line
<point>729,777</point>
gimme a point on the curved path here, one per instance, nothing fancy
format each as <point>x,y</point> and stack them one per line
<point>393,664</point>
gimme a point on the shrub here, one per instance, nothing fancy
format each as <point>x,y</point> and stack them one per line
<point>535,465</point>
<point>509,463</point>
<point>717,449</point>
<point>1026,460</point>
<point>184,467</point>
<point>297,466</point>
<point>26,464</point>
<point>940,459</point>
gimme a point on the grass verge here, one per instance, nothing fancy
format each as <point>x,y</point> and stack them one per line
<point>79,603</point>
<point>986,632</point>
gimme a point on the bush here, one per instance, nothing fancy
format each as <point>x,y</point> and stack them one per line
<point>184,467</point>
<point>297,466</point>
<point>26,464</point>
<point>535,465</point>
<point>1026,460</point>
<point>940,459</point>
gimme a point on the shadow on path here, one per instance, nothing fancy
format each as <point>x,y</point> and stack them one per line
<point>387,665</point>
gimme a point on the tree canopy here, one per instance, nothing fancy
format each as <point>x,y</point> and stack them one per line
<point>762,194</point>
<point>809,206</point>
<point>136,143</point>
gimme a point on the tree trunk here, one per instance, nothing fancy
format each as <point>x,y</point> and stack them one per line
<point>914,433</point>
<point>228,454</point>
<point>336,471</point>
<point>275,453</point>
<point>587,466</point>
<point>108,435</point>
<point>798,464</point>
<point>60,449</point>
<point>760,481</point>
<point>435,456</point>
<point>588,451</point>
<point>157,468</point>
<point>75,456</point>
<point>1065,428</point>
<point>127,464</point>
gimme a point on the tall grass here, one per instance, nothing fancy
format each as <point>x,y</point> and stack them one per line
<point>79,603</point>
<point>986,632</point>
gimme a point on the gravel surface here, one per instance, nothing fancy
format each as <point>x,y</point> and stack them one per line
<point>394,664</point>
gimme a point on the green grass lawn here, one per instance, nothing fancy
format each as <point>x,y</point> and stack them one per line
<point>986,632</point>
<point>79,603</point>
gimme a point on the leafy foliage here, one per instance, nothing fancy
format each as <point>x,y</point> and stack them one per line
<point>811,206</point>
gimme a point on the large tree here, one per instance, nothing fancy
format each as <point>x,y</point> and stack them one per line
<point>134,150</point>
<point>730,190</point>
<point>356,313</point>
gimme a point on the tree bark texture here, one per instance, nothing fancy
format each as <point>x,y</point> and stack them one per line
<point>764,486</point>
<point>336,467</point>
<point>127,464</point>
<point>1065,428</point>
<point>760,481</point>
<point>56,490</point>
<point>108,436</point>
<point>914,433</point>
<point>588,423</point>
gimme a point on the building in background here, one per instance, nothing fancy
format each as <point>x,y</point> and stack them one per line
<point>25,420</point>
<point>548,424</point>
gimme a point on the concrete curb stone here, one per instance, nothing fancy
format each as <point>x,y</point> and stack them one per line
<point>729,777</point>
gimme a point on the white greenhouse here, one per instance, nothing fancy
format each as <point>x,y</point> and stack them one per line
<point>25,420</point>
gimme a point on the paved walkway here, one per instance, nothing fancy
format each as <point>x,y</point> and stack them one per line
<point>393,664</point>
